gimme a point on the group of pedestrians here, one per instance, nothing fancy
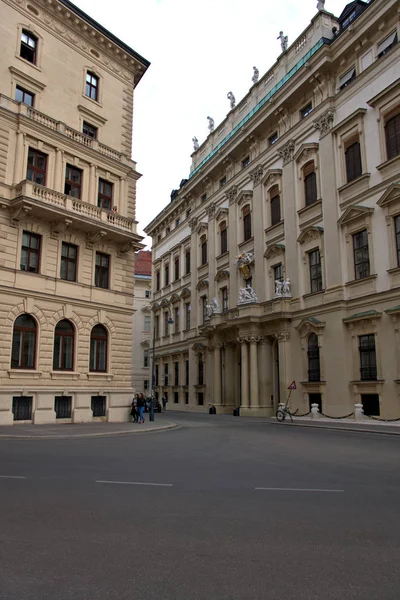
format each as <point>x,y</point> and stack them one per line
<point>138,406</point>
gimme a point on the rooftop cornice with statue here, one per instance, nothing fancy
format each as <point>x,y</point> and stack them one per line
<point>65,21</point>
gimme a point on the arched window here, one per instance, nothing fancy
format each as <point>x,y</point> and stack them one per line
<point>224,237</point>
<point>246,223</point>
<point>313,358</point>
<point>310,183</point>
<point>98,349</point>
<point>392,134</point>
<point>63,354</point>
<point>23,353</point>
<point>275,205</point>
<point>203,243</point>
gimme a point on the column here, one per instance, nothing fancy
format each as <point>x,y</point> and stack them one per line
<point>19,157</point>
<point>122,208</point>
<point>265,372</point>
<point>259,279</point>
<point>254,399</point>
<point>92,185</point>
<point>244,372</point>
<point>217,374</point>
<point>284,375</point>
<point>232,247</point>
<point>289,211</point>
<point>58,171</point>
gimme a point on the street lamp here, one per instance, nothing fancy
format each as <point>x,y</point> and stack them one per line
<point>153,368</point>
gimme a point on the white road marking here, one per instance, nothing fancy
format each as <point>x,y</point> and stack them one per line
<point>11,477</point>
<point>299,490</point>
<point>135,483</point>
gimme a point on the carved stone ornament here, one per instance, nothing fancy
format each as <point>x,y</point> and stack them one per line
<point>283,289</point>
<point>93,238</point>
<point>210,210</point>
<point>245,258</point>
<point>311,234</point>
<point>287,152</point>
<point>324,124</point>
<point>231,194</point>
<point>213,308</point>
<point>247,296</point>
<point>256,175</point>
<point>282,336</point>
<point>193,223</point>
<point>274,251</point>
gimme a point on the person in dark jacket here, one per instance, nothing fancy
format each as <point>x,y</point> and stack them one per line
<point>140,404</point>
<point>134,409</point>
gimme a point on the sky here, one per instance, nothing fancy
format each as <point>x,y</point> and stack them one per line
<point>199,51</point>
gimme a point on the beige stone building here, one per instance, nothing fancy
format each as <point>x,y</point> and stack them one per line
<point>142,338</point>
<point>279,258</point>
<point>67,215</point>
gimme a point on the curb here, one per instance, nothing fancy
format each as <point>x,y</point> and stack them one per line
<point>336,428</point>
<point>7,436</point>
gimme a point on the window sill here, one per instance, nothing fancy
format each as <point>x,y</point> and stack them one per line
<point>95,102</point>
<point>203,266</point>
<point>28,62</point>
<point>249,241</point>
<point>349,191</point>
<point>312,294</point>
<point>356,282</point>
<point>92,376</point>
<point>272,228</point>
<point>354,182</point>
<point>224,254</point>
<point>74,375</point>
<point>389,165</point>
<point>24,374</point>
<point>367,381</point>
<point>305,209</point>
<point>393,271</point>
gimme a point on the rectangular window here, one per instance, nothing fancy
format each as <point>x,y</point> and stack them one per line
<point>186,372</point>
<point>310,185</point>
<point>368,370</point>
<point>200,399</point>
<point>145,358</point>
<point>166,319</point>
<point>315,271</point>
<point>222,181</point>
<point>275,210</point>
<point>353,161</point>
<point>28,46</point>
<point>392,136</point>
<point>201,370</point>
<point>105,194</point>
<point>147,294</point>
<point>147,323</point>
<point>177,222</point>
<point>246,223</point>
<point>156,375</point>
<point>157,325</point>
<point>146,384</point>
<point>98,404</point>
<point>157,281</point>
<point>69,256</point>
<point>176,373</point>
<point>387,44</point>
<point>347,78</point>
<point>278,272</point>
<point>225,301</point>
<point>89,130</point>
<point>166,275</point>
<point>73,181</point>
<point>63,407</point>
<point>203,197</point>
<point>203,250</point>
<point>92,86</point>
<point>224,238</point>
<point>30,252</point>
<point>176,266</point>
<point>361,254</point>
<point>166,374</point>
<point>186,397</point>
<point>204,309</point>
<point>176,397</point>
<point>245,162</point>
<point>371,404</point>
<point>22,408</point>
<point>22,95</point>
<point>189,210</point>
<point>273,138</point>
<point>102,270</point>
<point>37,165</point>
<point>397,230</point>
<point>187,262</point>
<point>306,110</point>
<point>187,315</point>
<point>176,319</point>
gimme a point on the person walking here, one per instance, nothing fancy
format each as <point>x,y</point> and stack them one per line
<point>140,404</point>
<point>134,409</point>
<point>164,402</point>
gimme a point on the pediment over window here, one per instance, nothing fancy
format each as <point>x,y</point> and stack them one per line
<point>221,275</point>
<point>221,212</point>
<point>185,293</point>
<point>274,250</point>
<point>392,194</point>
<point>354,212</point>
<point>310,325</point>
<point>306,151</point>
<point>271,177</point>
<point>367,316</point>
<point>199,348</point>
<point>146,309</point>
<point>164,302</point>
<point>202,228</point>
<point>145,343</point>
<point>175,298</point>
<point>309,234</point>
<point>155,306</point>
<point>202,284</point>
<point>244,196</point>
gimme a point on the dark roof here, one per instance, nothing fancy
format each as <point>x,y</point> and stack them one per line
<point>104,31</point>
<point>358,5</point>
<point>143,263</point>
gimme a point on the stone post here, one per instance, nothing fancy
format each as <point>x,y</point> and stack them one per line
<point>315,411</point>
<point>358,412</point>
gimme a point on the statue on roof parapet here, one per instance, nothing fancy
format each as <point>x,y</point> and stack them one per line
<point>232,99</point>
<point>210,124</point>
<point>284,41</point>
<point>256,74</point>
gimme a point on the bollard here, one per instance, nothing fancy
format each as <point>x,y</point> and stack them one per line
<point>236,412</point>
<point>358,412</point>
<point>315,411</point>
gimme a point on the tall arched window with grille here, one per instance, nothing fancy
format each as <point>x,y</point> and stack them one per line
<point>203,246</point>
<point>63,354</point>
<point>23,353</point>
<point>275,202</point>
<point>310,183</point>
<point>246,223</point>
<point>223,232</point>
<point>314,372</point>
<point>98,349</point>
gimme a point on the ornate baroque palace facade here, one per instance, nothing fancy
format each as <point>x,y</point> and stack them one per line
<point>279,258</point>
<point>67,215</point>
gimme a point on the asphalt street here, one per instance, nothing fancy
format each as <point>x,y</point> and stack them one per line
<point>219,508</point>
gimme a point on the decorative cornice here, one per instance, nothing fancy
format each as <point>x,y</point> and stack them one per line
<point>256,175</point>
<point>287,152</point>
<point>325,122</point>
<point>193,223</point>
<point>210,210</point>
<point>231,194</point>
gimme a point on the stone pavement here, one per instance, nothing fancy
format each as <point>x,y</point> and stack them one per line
<point>78,430</point>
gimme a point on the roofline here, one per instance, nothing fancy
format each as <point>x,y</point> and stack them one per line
<point>73,8</point>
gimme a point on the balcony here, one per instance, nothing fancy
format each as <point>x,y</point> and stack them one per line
<point>47,204</point>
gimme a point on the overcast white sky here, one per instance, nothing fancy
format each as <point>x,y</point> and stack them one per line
<point>199,51</point>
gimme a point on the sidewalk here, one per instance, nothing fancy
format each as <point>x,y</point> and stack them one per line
<point>79,430</point>
<point>366,426</point>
